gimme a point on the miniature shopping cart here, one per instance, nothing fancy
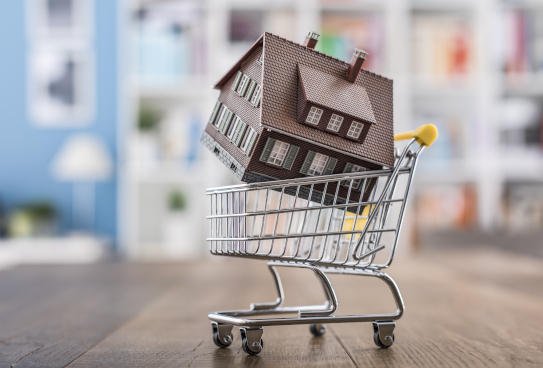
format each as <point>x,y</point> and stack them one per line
<point>305,223</point>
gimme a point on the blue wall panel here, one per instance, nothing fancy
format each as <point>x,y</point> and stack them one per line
<point>26,150</point>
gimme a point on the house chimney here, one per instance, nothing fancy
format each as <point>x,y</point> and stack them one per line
<point>311,40</point>
<point>356,64</point>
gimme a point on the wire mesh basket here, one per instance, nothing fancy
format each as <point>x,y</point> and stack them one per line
<point>345,223</point>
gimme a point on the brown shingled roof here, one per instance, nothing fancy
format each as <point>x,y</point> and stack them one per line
<point>347,98</point>
<point>279,97</point>
<point>280,91</point>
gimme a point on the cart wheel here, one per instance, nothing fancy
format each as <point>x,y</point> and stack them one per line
<point>222,335</point>
<point>251,340</point>
<point>317,329</point>
<point>378,342</point>
<point>383,334</point>
<point>225,342</point>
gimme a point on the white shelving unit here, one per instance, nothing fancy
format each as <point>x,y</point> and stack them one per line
<point>481,163</point>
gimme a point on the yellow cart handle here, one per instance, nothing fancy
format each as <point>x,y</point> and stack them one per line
<point>425,135</point>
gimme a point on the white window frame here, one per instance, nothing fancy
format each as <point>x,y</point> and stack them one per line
<point>335,123</point>
<point>234,127</point>
<point>318,164</point>
<point>224,110</point>
<point>248,137</point>
<point>356,182</point>
<point>278,153</point>
<point>256,94</point>
<point>242,83</point>
<point>314,116</point>
<point>355,129</point>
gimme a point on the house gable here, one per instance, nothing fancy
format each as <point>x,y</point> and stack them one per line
<point>234,125</point>
<point>232,71</point>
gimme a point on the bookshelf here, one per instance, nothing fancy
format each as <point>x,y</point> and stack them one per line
<point>449,65</point>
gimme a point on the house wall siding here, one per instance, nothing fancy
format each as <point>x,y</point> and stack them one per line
<point>28,149</point>
<point>240,107</point>
<point>257,166</point>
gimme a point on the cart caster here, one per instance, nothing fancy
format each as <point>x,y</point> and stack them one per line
<point>222,335</point>
<point>317,329</point>
<point>383,334</point>
<point>251,340</point>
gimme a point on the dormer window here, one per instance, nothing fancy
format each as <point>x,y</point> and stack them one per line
<point>242,88</point>
<point>314,116</point>
<point>355,129</point>
<point>335,123</point>
<point>347,102</point>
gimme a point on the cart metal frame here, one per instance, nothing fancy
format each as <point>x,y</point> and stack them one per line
<point>244,225</point>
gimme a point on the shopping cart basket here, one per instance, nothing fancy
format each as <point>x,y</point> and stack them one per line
<point>318,231</point>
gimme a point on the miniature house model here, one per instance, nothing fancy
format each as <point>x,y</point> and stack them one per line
<point>286,111</point>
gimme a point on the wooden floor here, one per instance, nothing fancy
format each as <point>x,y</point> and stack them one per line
<point>464,308</point>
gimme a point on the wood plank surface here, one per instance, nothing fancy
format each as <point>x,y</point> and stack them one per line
<point>464,308</point>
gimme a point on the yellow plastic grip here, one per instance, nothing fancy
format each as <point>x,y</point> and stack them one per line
<point>425,135</point>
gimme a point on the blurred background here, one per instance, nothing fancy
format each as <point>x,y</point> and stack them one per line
<point>103,104</point>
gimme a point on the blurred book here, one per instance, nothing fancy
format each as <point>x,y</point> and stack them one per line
<point>170,41</point>
<point>521,123</point>
<point>446,207</point>
<point>247,25</point>
<point>521,44</point>
<point>523,206</point>
<point>343,32</point>
<point>442,47</point>
<point>171,144</point>
<point>453,142</point>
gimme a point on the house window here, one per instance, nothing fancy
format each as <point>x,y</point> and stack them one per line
<point>242,88</point>
<point>335,123</point>
<point>351,168</point>
<point>318,164</point>
<point>255,100</point>
<point>224,122</point>
<point>314,116</point>
<point>249,141</point>
<point>222,116</point>
<point>215,112</point>
<point>236,81</point>
<point>278,153</point>
<point>355,129</point>
<point>237,131</point>
<point>250,90</point>
<point>235,127</point>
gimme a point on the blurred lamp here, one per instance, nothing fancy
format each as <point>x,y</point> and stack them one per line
<point>83,159</point>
